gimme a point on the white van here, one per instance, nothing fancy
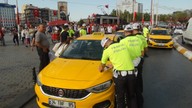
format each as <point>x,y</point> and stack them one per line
<point>187,34</point>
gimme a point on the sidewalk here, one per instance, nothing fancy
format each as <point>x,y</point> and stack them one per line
<point>16,74</point>
<point>181,49</point>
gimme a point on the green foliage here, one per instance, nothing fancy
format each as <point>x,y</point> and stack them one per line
<point>126,17</point>
<point>80,22</point>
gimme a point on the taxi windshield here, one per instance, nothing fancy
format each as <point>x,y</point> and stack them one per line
<point>159,32</point>
<point>119,33</point>
<point>84,49</point>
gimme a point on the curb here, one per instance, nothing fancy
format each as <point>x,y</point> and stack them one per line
<point>182,50</point>
<point>22,99</point>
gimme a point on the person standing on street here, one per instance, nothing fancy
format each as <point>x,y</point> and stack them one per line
<point>27,37</point>
<point>42,44</point>
<point>135,47</point>
<point>15,37</point>
<point>23,35</point>
<point>140,99</point>
<point>146,35</point>
<point>83,30</point>
<point>123,72</point>
<point>2,37</point>
<point>64,35</point>
<point>146,31</point>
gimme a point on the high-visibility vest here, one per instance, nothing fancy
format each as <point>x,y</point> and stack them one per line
<point>83,32</point>
<point>71,32</point>
<point>145,32</point>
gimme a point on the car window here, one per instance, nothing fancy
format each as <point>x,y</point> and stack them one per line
<point>159,32</point>
<point>84,49</point>
<point>119,33</point>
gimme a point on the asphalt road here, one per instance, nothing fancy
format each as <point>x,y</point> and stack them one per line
<point>166,80</point>
<point>167,76</point>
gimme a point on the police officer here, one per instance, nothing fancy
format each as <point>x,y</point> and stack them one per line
<point>64,35</point>
<point>134,46</point>
<point>140,100</point>
<point>146,31</point>
<point>83,30</point>
<point>123,72</point>
<point>146,35</point>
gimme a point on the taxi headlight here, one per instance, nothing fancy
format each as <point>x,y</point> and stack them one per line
<point>39,82</point>
<point>101,87</point>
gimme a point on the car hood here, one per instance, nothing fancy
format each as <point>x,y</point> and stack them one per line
<point>73,73</point>
<point>160,37</point>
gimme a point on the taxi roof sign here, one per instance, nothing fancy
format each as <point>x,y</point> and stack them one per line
<point>97,34</point>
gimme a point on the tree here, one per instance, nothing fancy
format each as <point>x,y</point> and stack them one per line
<point>80,22</point>
<point>113,12</point>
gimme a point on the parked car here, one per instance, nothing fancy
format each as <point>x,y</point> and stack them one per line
<point>187,34</point>
<point>73,79</point>
<point>178,31</point>
<point>160,38</point>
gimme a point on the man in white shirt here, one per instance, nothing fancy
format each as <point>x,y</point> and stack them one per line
<point>109,29</point>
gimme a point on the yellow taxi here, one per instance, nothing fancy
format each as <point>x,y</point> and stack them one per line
<point>73,79</point>
<point>119,35</point>
<point>160,38</point>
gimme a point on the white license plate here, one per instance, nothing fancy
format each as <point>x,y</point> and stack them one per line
<point>61,103</point>
<point>161,44</point>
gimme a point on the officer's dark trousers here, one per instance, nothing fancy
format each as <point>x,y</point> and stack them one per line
<point>124,85</point>
<point>139,85</point>
<point>43,57</point>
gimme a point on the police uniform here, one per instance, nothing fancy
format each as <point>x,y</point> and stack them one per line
<point>145,32</point>
<point>123,73</point>
<point>71,33</point>
<point>140,99</point>
<point>139,66</point>
<point>83,32</point>
<point>135,46</point>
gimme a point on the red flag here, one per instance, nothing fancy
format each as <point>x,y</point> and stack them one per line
<point>106,6</point>
<point>143,21</point>
<point>135,14</point>
<point>36,12</point>
<point>54,12</point>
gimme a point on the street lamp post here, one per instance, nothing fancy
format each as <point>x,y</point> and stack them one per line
<point>152,14</point>
<point>133,10</point>
<point>157,6</point>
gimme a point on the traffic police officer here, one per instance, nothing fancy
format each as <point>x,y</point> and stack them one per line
<point>134,46</point>
<point>139,90</point>
<point>146,31</point>
<point>83,31</point>
<point>123,72</point>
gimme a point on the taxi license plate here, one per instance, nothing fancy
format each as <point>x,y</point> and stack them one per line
<point>161,44</point>
<point>61,103</point>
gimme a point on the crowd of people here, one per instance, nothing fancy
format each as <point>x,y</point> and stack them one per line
<point>126,56</point>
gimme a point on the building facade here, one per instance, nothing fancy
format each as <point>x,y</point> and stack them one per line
<point>128,5</point>
<point>53,15</point>
<point>63,10</point>
<point>32,15</point>
<point>7,15</point>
